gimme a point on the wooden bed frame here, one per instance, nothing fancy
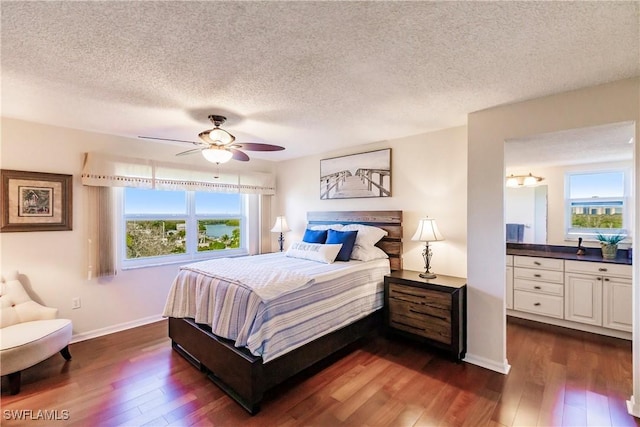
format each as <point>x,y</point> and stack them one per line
<point>243,376</point>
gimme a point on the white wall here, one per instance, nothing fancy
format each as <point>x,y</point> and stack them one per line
<point>428,178</point>
<point>488,130</point>
<point>53,263</point>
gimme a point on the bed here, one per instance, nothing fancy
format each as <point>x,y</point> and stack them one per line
<point>232,362</point>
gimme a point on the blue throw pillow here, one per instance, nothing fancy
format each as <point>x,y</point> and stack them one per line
<point>314,236</point>
<point>347,238</point>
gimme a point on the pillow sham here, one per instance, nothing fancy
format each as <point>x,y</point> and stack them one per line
<point>367,234</point>
<point>346,238</point>
<point>368,253</point>
<point>314,252</point>
<point>314,236</point>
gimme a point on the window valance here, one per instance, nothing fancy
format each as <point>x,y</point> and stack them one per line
<point>105,170</point>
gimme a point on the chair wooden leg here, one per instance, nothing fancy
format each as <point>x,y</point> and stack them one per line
<point>14,383</point>
<point>65,353</point>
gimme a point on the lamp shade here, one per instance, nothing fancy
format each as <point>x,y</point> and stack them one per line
<point>427,231</point>
<point>217,155</point>
<point>281,225</point>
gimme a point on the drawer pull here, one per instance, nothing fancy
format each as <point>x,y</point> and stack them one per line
<point>536,263</point>
<point>606,279</point>
<point>602,269</point>
<point>537,304</point>
<point>537,275</point>
<point>599,278</point>
<point>537,287</point>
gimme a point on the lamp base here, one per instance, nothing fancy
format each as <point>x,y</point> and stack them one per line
<point>427,275</point>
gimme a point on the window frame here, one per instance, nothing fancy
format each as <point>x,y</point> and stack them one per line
<point>589,234</point>
<point>191,220</point>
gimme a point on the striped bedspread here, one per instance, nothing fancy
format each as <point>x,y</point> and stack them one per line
<point>339,294</point>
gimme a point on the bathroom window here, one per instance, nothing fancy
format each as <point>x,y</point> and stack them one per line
<point>596,202</point>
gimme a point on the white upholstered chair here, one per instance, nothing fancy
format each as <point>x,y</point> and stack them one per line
<point>29,332</point>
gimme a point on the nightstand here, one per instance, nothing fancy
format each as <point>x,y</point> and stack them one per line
<point>432,311</point>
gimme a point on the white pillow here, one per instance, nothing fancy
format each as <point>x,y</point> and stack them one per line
<point>367,235</point>
<point>314,251</point>
<point>368,253</point>
<point>336,227</point>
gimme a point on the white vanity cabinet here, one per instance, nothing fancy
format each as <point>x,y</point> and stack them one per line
<point>598,294</point>
<point>538,285</point>
<point>509,279</point>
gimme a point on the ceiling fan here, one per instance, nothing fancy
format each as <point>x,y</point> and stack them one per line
<point>219,146</point>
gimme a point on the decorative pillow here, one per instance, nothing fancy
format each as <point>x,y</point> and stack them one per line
<point>347,238</point>
<point>367,235</point>
<point>326,227</point>
<point>314,236</point>
<point>368,253</point>
<point>314,251</point>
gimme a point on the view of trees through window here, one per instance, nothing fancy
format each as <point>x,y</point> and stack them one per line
<point>174,223</point>
<point>166,237</point>
<point>596,215</point>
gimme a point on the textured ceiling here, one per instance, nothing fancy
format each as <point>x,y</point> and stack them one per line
<point>311,76</point>
<point>606,143</point>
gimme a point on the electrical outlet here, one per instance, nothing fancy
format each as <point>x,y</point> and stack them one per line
<point>75,303</point>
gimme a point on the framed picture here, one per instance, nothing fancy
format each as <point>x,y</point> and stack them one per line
<point>35,201</point>
<point>356,175</point>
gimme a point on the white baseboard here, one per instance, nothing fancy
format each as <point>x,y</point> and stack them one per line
<point>571,325</point>
<point>633,407</point>
<point>483,362</point>
<point>115,328</point>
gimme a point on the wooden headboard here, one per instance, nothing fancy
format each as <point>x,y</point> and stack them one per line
<point>391,221</point>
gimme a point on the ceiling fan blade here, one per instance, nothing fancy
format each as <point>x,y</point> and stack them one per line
<point>239,155</point>
<point>195,150</point>
<point>169,139</point>
<point>256,146</point>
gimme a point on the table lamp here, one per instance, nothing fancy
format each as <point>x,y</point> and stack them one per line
<point>427,232</point>
<point>280,227</point>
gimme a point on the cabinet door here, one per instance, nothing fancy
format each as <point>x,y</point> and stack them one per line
<point>509,299</point>
<point>617,304</point>
<point>583,298</point>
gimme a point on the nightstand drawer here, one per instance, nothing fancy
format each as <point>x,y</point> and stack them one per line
<point>409,318</point>
<point>432,301</point>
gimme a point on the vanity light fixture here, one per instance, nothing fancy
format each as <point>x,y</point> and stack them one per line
<point>514,181</point>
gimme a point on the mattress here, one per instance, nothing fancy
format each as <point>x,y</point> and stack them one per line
<point>321,299</point>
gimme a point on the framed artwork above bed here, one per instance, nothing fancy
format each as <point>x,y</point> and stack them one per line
<point>356,175</point>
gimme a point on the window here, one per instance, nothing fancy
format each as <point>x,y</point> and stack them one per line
<point>596,202</point>
<point>162,227</point>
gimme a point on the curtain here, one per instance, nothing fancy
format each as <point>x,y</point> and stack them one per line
<point>105,170</point>
<point>100,220</point>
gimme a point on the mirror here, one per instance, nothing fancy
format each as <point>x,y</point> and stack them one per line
<point>538,212</point>
<point>526,214</point>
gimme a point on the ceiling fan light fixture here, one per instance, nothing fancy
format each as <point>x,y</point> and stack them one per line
<point>217,155</point>
<point>217,136</point>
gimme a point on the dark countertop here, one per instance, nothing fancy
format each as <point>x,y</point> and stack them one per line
<point>565,252</point>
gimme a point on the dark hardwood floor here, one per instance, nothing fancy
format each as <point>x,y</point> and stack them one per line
<point>133,378</point>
